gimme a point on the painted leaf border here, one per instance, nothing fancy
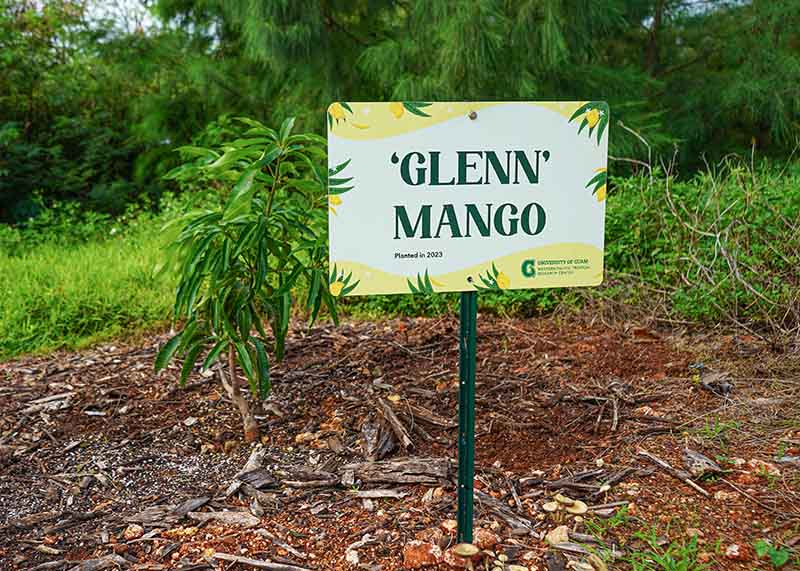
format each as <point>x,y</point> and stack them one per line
<point>601,125</point>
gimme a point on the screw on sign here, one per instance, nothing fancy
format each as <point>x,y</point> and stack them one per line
<point>466,196</point>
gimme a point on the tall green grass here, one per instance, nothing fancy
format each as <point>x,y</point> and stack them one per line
<point>70,295</point>
<point>722,247</point>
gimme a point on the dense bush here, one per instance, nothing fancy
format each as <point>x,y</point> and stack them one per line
<point>241,263</point>
<point>721,247</point>
<point>91,110</point>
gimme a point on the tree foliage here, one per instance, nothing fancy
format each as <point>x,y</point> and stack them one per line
<point>240,263</point>
<point>92,105</point>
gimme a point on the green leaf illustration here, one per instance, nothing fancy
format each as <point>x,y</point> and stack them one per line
<point>595,116</point>
<point>415,107</point>
<point>337,185</point>
<point>423,285</point>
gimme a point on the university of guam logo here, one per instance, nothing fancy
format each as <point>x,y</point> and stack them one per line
<point>529,268</point>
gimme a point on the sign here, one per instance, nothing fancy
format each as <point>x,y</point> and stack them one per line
<point>459,196</point>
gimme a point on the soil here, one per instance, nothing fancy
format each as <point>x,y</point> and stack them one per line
<point>562,405</point>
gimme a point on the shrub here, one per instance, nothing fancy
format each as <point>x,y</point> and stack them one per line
<point>240,263</point>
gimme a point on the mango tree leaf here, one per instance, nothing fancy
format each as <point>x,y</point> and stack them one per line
<point>167,351</point>
<point>286,129</point>
<point>189,361</point>
<point>244,359</point>
<point>262,367</point>
<point>214,354</point>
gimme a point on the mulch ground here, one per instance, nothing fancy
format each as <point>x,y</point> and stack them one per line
<point>104,464</point>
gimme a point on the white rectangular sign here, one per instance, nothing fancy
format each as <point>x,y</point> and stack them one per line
<point>459,196</point>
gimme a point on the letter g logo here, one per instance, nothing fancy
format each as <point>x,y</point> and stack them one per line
<point>529,268</point>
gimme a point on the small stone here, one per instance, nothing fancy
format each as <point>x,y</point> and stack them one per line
<point>351,556</point>
<point>304,437</point>
<point>736,552</point>
<point>418,554</point>
<point>133,531</point>
<point>230,446</point>
<point>694,532</point>
<point>449,526</point>
<point>485,539</point>
<point>557,535</point>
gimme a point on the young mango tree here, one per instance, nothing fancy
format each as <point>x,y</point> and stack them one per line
<point>241,264</point>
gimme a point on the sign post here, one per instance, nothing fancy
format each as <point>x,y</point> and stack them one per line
<point>461,197</point>
<point>466,413</point>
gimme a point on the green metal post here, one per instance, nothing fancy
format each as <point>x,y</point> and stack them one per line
<point>466,413</point>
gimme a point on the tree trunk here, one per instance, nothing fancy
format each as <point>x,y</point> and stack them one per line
<point>653,60</point>
<point>251,431</point>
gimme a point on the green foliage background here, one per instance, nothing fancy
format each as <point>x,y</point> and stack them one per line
<point>90,111</point>
<point>93,108</point>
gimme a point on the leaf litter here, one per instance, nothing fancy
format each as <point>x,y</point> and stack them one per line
<point>588,438</point>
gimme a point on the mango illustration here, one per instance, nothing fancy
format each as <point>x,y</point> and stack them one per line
<point>336,288</point>
<point>601,193</point>
<point>337,111</point>
<point>592,117</point>
<point>333,202</point>
<point>503,281</point>
<point>397,109</point>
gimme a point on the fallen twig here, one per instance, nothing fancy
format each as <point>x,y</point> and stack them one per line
<point>397,426</point>
<point>678,474</point>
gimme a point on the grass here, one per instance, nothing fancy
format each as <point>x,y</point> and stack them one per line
<point>67,297</point>
<point>646,549</point>
<point>717,430</point>
<point>674,556</point>
<point>721,247</point>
